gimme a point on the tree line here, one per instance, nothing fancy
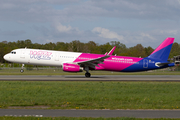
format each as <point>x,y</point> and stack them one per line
<point>90,47</point>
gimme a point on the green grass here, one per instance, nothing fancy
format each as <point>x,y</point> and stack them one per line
<point>58,71</point>
<point>80,118</point>
<point>91,95</point>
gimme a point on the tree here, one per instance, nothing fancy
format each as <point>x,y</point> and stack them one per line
<point>148,50</point>
<point>28,43</point>
<point>137,51</point>
<point>121,49</point>
<point>75,46</point>
<point>175,50</point>
<point>92,47</point>
<point>105,48</point>
<point>21,44</point>
<point>37,46</point>
<point>49,46</point>
<point>61,46</point>
<point>1,52</point>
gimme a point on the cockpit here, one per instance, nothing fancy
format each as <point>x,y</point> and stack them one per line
<point>13,52</point>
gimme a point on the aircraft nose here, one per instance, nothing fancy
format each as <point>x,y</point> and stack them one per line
<point>6,57</point>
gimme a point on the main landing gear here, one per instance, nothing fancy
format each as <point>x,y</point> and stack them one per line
<point>87,74</point>
<point>22,68</point>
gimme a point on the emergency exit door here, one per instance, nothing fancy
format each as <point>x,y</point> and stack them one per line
<point>145,63</point>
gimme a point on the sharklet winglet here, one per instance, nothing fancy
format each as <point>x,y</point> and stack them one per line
<point>111,51</point>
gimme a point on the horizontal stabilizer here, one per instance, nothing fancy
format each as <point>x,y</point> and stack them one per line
<point>159,64</point>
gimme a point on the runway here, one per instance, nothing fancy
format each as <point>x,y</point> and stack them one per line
<point>160,78</point>
<point>91,113</point>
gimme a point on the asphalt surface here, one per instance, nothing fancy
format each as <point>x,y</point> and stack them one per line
<point>92,113</point>
<point>162,78</point>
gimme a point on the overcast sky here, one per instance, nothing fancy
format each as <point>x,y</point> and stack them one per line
<point>132,22</point>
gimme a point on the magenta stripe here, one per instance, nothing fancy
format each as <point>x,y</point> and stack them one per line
<point>113,63</point>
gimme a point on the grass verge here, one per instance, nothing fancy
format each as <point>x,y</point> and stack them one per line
<point>90,95</point>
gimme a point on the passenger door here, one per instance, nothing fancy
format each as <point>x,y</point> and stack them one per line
<point>23,53</point>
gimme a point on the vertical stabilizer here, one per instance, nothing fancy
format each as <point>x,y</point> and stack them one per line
<point>163,50</point>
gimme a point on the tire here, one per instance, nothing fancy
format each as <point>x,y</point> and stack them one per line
<point>21,70</point>
<point>88,74</point>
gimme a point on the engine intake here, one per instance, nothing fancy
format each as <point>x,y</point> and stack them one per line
<point>67,67</point>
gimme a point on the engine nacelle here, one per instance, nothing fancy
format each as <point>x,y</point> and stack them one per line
<point>71,68</point>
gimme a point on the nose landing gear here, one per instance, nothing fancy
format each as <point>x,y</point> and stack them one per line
<point>22,68</point>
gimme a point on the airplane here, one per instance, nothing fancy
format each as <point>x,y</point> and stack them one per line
<point>79,62</point>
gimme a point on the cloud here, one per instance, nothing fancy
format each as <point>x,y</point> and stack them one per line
<point>41,1</point>
<point>146,35</point>
<point>129,21</point>
<point>169,32</point>
<point>141,9</point>
<point>105,33</point>
<point>70,10</point>
<point>60,32</point>
<point>61,28</point>
<point>7,6</point>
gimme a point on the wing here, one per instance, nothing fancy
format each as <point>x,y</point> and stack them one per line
<point>93,63</point>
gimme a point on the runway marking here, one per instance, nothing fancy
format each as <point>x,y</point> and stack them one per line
<point>91,113</point>
<point>23,115</point>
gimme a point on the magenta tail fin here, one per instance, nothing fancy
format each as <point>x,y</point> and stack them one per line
<point>163,50</point>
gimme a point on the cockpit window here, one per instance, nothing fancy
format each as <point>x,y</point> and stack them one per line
<point>13,52</point>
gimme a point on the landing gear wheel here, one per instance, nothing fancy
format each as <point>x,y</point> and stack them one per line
<point>21,70</point>
<point>88,74</point>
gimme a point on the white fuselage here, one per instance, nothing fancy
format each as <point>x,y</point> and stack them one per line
<point>41,57</point>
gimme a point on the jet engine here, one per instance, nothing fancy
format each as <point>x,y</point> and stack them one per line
<point>67,67</point>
